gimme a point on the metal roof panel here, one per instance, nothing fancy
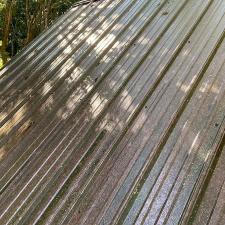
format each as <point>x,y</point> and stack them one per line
<point>115,115</point>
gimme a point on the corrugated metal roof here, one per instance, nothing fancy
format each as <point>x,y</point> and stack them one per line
<point>115,115</point>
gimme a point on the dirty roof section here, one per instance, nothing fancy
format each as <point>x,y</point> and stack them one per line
<point>116,115</point>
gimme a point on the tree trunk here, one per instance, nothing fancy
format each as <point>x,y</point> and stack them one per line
<point>47,13</point>
<point>6,30</point>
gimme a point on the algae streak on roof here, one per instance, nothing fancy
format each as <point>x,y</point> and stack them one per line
<point>115,115</point>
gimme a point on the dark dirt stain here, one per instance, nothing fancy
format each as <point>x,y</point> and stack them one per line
<point>165,13</point>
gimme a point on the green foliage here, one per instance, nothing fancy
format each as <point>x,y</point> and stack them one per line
<point>2,7</point>
<point>29,18</point>
<point>1,61</point>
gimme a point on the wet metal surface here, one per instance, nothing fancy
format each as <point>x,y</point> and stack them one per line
<point>115,115</point>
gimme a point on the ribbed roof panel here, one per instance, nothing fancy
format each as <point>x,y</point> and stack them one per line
<point>115,115</point>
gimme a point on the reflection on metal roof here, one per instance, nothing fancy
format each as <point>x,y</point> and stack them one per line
<point>115,115</point>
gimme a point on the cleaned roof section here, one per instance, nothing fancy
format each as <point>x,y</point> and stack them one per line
<point>115,115</point>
